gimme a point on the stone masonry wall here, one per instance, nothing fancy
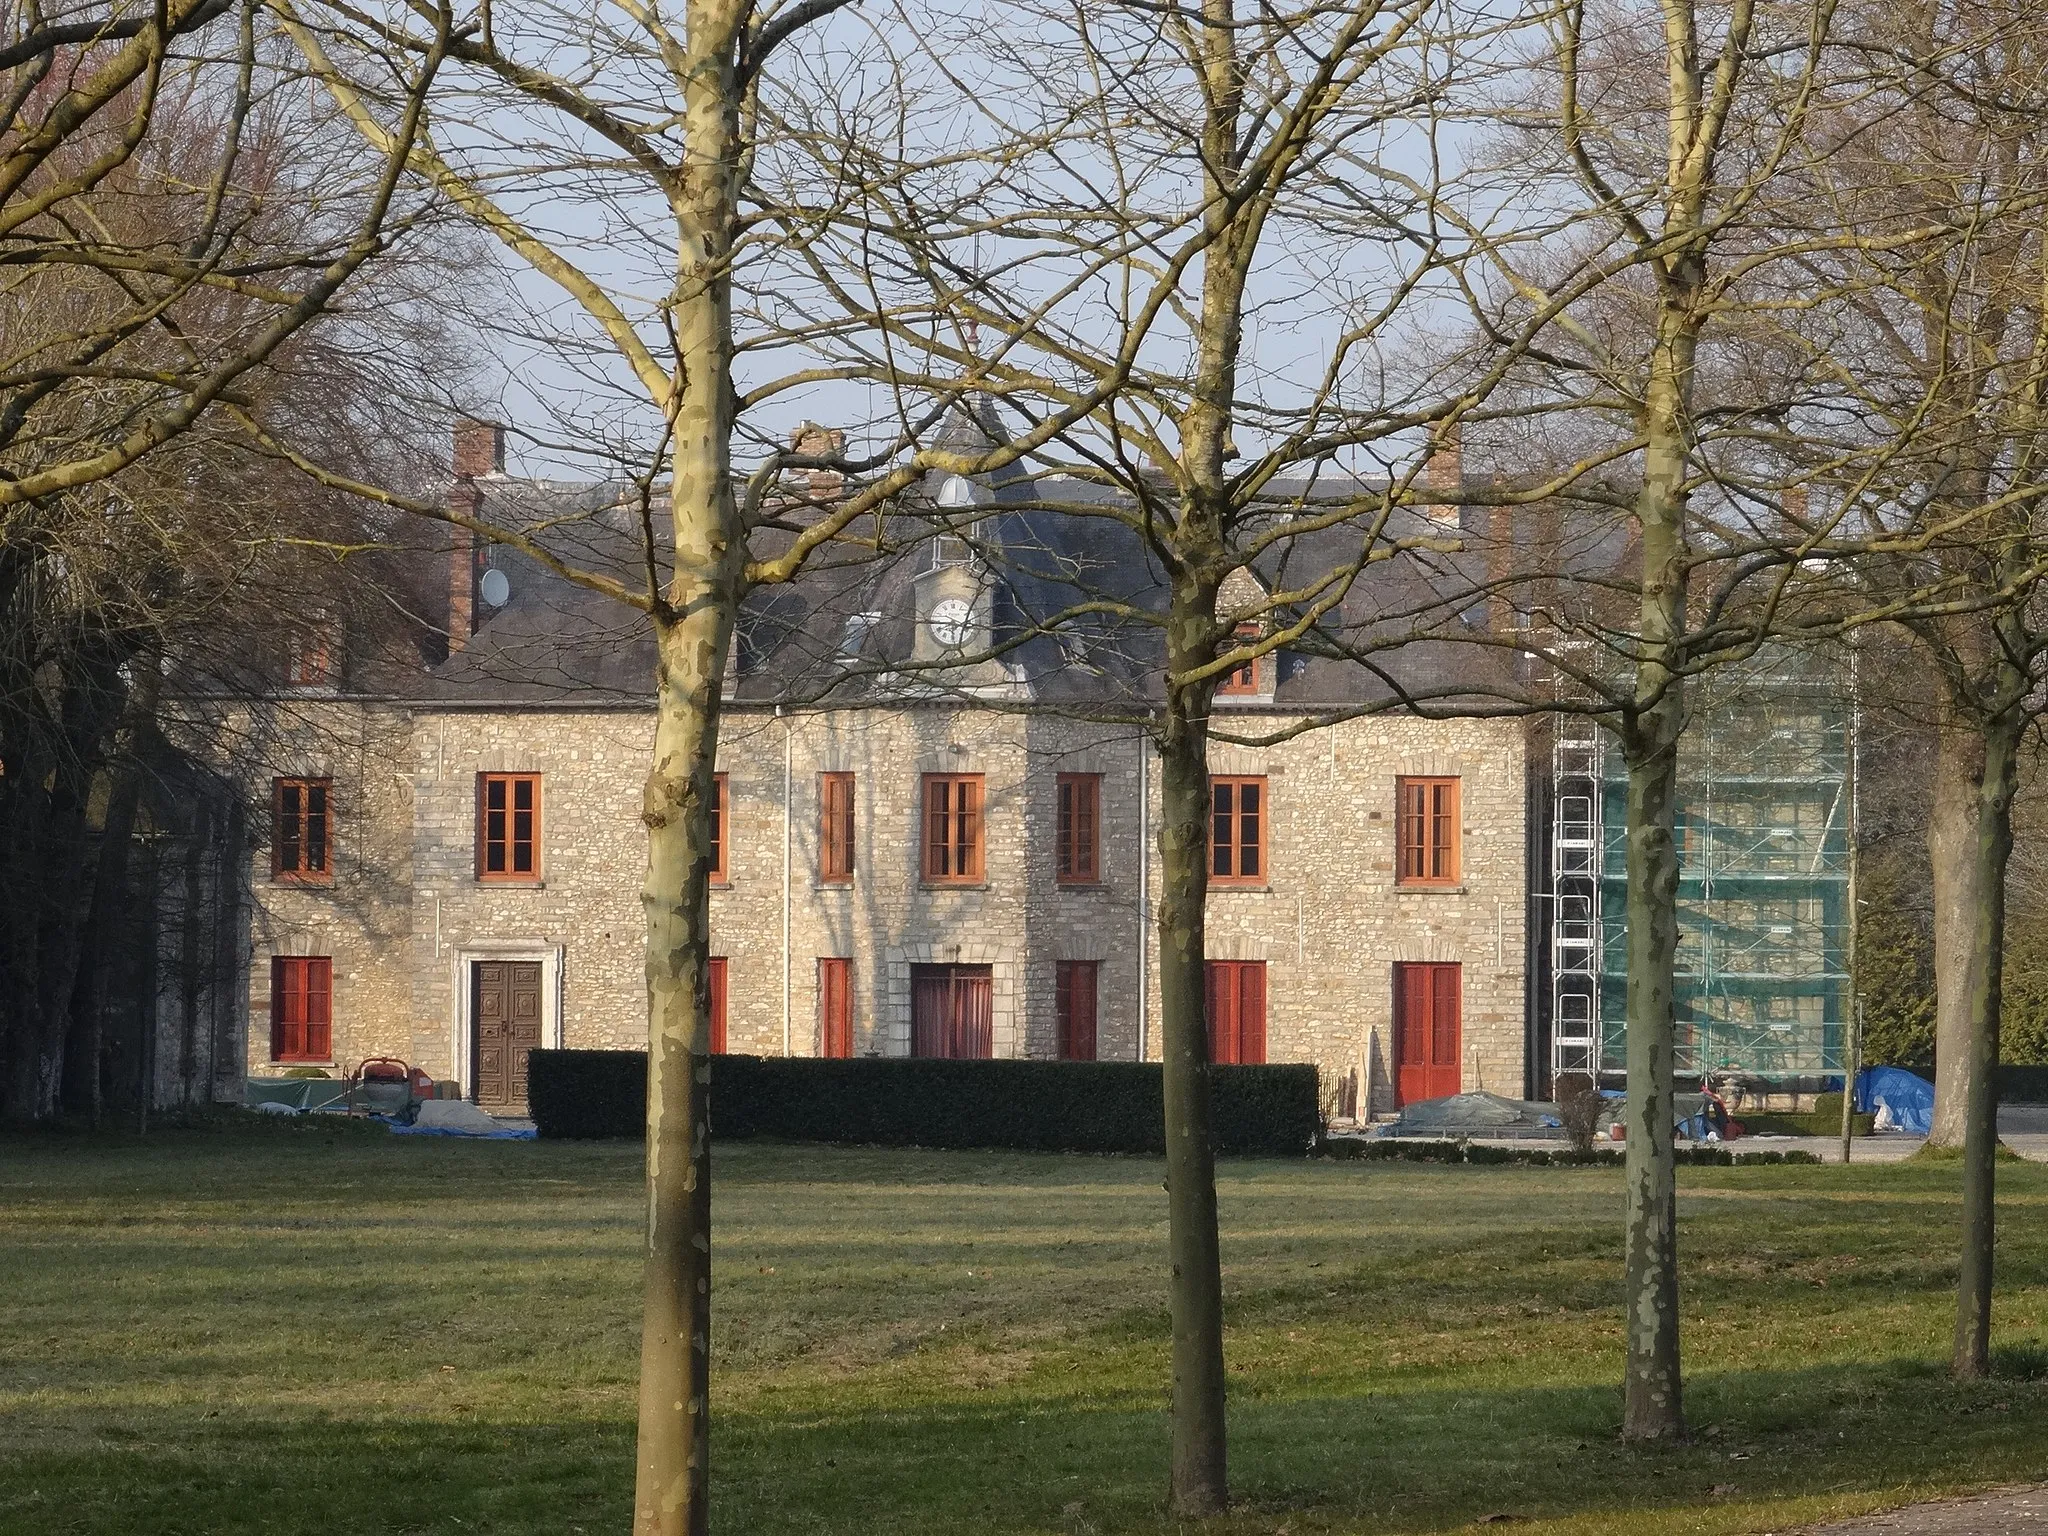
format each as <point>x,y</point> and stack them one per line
<point>363,919</point>
<point>1330,924</point>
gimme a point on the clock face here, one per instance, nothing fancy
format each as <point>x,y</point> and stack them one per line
<point>949,622</point>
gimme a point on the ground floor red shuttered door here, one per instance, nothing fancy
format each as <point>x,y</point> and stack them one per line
<point>718,1005</point>
<point>1426,1032</point>
<point>1237,1011</point>
<point>952,1011</point>
<point>835,1007</point>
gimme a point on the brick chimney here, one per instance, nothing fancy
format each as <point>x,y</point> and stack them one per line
<point>820,442</point>
<point>1444,470</point>
<point>479,450</point>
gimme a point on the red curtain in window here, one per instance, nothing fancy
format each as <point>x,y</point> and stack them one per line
<point>1075,992</point>
<point>952,1011</point>
<point>301,1008</point>
<point>835,1007</point>
<point>1237,1011</point>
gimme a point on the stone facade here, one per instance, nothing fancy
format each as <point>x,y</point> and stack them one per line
<point>406,916</point>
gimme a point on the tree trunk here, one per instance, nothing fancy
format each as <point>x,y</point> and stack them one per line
<point>693,633</point>
<point>1651,1397</point>
<point>1955,843</point>
<point>1652,1408</point>
<point>675,1347</point>
<point>1987,857</point>
<point>1200,1475</point>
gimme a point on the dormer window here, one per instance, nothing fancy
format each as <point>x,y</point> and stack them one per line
<point>312,652</point>
<point>854,637</point>
<point>1250,679</point>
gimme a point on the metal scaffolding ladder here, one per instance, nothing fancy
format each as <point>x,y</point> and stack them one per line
<point>1575,896</point>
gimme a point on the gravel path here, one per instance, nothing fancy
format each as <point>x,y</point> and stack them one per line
<point>2014,1512</point>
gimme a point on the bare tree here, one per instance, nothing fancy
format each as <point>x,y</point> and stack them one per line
<point>653,143</point>
<point>159,263</point>
<point>1133,194</point>
<point>1929,428</point>
<point>1670,128</point>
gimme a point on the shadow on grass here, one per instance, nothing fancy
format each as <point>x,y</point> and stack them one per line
<point>1766,1443</point>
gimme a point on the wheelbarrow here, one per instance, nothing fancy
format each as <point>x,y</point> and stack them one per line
<point>382,1085</point>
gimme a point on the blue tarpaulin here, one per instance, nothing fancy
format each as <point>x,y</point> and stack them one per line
<point>1904,1100</point>
<point>397,1129</point>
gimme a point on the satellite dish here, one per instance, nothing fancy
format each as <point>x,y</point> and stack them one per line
<point>956,492</point>
<point>497,591</point>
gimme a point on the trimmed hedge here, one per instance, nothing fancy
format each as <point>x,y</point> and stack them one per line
<point>2022,1085</point>
<point>1047,1106</point>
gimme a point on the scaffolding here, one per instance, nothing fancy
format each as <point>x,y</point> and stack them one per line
<point>1764,830</point>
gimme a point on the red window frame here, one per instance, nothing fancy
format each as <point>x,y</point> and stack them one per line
<point>1244,679</point>
<point>835,1006</point>
<point>302,831</point>
<point>1235,1005</point>
<point>716,988</point>
<point>309,653</point>
<point>1428,840</point>
<point>508,834</point>
<point>1080,829</point>
<point>835,828</point>
<point>1239,810</point>
<point>1074,992</point>
<point>301,1008</point>
<point>721,826</point>
<point>954,830</point>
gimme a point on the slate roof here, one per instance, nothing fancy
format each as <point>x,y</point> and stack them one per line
<point>842,634</point>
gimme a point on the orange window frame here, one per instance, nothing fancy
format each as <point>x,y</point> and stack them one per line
<point>1080,829</point>
<point>302,831</point>
<point>721,829</point>
<point>508,828</point>
<point>954,830</point>
<point>301,1008</point>
<point>835,828</point>
<point>1429,841</point>
<point>1239,815</point>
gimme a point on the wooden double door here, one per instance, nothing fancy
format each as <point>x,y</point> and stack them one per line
<point>1236,1006</point>
<point>1428,1032</point>
<point>506,1015</point>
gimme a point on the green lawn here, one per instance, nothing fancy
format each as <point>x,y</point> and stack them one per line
<point>300,1330</point>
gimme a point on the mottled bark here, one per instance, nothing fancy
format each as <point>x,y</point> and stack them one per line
<point>1955,837</point>
<point>693,634</point>
<point>1199,1469</point>
<point>1988,855</point>
<point>1652,1406</point>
